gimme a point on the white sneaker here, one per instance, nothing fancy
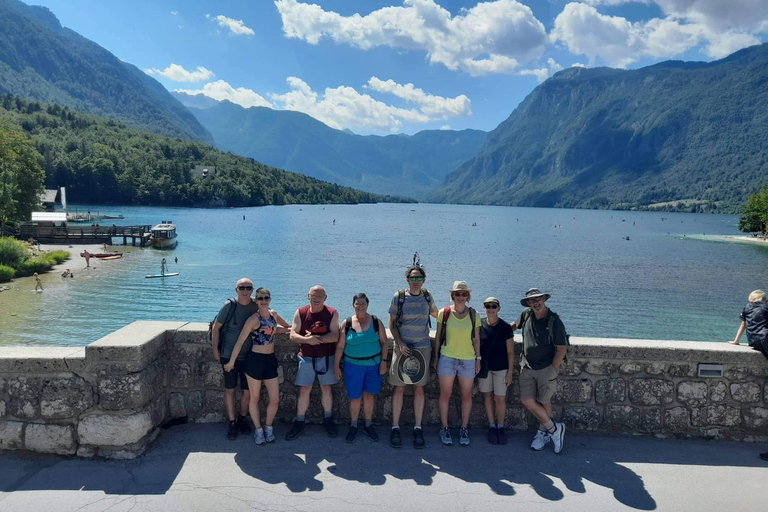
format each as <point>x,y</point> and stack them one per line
<point>540,441</point>
<point>269,436</point>
<point>258,436</point>
<point>558,437</point>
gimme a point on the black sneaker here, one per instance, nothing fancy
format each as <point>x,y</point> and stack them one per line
<point>418,439</point>
<point>395,441</point>
<point>351,435</point>
<point>242,425</point>
<point>296,430</point>
<point>232,431</point>
<point>372,435</point>
<point>330,427</point>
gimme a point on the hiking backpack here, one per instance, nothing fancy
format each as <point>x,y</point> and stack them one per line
<point>447,313</point>
<point>348,326</point>
<point>401,301</point>
<point>232,307</point>
<point>550,329</point>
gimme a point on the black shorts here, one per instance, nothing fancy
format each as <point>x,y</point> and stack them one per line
<point>230,378</point>
<point>261,366</point>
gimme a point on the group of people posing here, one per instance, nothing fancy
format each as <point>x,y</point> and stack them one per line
<point>465,347</point>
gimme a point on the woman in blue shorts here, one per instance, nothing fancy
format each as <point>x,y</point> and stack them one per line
<point>364,347</point>
<point>261,362</point>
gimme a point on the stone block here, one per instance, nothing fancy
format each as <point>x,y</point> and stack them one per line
<point>610,390</point>
<point>737,372</point>
<point>193,332</point>
<point>114,429</point>
<point>209,374</point>
<point>651,391</point>
<point>210,417</point>
<point>631,368</point>
<point>195,401</point>
<point>692,393</point>
<point>717,391</point>
<point>650,421</point>
<point>600,367</point>
<point>189,352</point>
<point>516,418</point>
<point>40,360</point>
<point>681,370</point>
<point>582,418</point>
<point>656,368</point>
<point>745,392</point>
<point>716,415</point>
<point>572,368</point>
<point>180,375</point>
<point>214,401</point>
<point>677,420</point>
<point>133,347</point>
<point>24,397</point>
<point>86,452</point>
<point>755,417</point>
<point>176,405</point>
<point>131,391</point>
<point>622,418</point>
<point>759,371</point>
<point>58,439</point>
<point>63,398</point>
<point>573,391</point>
<point>10,435</point>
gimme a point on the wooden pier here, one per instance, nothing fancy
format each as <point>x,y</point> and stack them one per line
<point>87,234</point>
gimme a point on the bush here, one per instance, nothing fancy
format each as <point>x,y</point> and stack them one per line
<point>39,264</point>
<point>59,256</point>
<point>13,252</point>
<point>6,273</point>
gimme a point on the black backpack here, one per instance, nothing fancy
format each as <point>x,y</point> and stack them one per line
<point>232,308</point>
<point>550,329</point>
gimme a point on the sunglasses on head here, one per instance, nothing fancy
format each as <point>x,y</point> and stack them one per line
<point>263,298</point>
<point>460,294</point>
<point>491,306</point>
<point>243,288</point>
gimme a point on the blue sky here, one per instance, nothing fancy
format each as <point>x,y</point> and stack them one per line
<point>380,67</point>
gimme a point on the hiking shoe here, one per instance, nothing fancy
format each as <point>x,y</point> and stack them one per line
<point>445,437</point>
<point>395,441</point>
<point>540,441</point>
<point>372,435</point>
<point>558,437</point>
<point>330,427</point>
<point>463,437</point>
<point>296,430</point>
<point>351,435</point>
<point>258,436</point>
<point>502,435</point>
<point>269,436</point>
<point>242,425</point>
<point>232,431</point>
<point>418,438</point>
<point>493,435</point>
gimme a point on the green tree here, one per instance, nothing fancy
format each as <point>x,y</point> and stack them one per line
<point>21,176</point>
<point>754,214</point>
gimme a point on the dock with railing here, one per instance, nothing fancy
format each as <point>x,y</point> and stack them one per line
<point>87,234</point>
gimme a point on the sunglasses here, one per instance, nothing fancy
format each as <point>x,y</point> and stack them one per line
<point>536,299</point>
<point>491,306</point>
<point>460,294</point>
<point>416,278</point>
<point>243,288</point>
<point>263,298</point>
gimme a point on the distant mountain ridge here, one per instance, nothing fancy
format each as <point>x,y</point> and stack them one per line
<point>401,165</point>
<point>690,135</point>
<point>41,60</point>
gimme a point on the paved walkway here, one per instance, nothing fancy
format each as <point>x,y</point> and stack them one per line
<point>194,467</point>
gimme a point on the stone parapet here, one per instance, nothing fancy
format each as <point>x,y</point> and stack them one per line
<point>109,398</point>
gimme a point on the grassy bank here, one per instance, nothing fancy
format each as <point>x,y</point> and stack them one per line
<point>17,259</point>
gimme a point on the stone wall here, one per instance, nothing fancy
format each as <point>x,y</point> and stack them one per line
<point>109,398</point>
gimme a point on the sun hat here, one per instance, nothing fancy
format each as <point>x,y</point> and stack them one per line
<point>532,294</point>
<point>461,286</point>
<point>491,300</point>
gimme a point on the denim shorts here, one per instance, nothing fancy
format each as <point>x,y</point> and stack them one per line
<point>359,378</point>
<point>311,367</point>
<point>450,367</point>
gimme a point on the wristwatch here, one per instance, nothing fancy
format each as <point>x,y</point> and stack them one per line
<point>478,358</point>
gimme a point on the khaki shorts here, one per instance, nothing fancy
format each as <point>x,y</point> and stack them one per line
<point>496,382</point>
<point>417,368</point>
<point>539,385</point>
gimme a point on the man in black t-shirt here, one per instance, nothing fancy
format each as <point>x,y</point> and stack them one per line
<point>754,320</point>
<point>543,353</point>
<point>497,352</point>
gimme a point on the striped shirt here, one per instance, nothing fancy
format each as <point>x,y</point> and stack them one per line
<point>414,327</point>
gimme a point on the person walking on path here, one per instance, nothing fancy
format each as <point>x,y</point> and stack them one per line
<point>457,354</point>
<point>409,323</point>
<point>544,349</point>
<point>754,321</point>
<point>497,350</point>
<point>362,347</point>
<point>316,330</point>
<point>261,363</point>
<point>224,335</point>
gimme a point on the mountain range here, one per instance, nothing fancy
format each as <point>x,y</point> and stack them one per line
<point>403,165</point>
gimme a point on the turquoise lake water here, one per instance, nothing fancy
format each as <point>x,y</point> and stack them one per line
<point>659,284</point>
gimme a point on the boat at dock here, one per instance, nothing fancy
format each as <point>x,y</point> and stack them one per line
<point>163,235</point>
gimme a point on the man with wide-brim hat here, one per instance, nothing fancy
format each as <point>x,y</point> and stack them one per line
<point>544,349</point>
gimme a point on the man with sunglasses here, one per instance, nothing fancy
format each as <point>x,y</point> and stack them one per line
<point>409,324</point>
<point>544,348</point>
<point>497,349</point>
<point>227,327</point>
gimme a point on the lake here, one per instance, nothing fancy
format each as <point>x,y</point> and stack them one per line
<point>668,281</point>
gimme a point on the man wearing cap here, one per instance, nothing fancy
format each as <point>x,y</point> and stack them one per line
<point>409,323</point>
<point>544,348</point>
<point>497,349</point>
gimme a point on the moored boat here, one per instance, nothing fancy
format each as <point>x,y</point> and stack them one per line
<point>163,235</point>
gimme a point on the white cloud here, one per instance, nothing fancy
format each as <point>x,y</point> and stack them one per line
<point>236,27</point>
<point>179,74</point>
<point>616,2</point>
<point>175,13</point>
<point>445,127</point>
<point>724,44</point>
<point>436,107</point>
<point>542,74</point>
<point>221,90</point>
<point>491,37</point>
<point>720,15</point>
